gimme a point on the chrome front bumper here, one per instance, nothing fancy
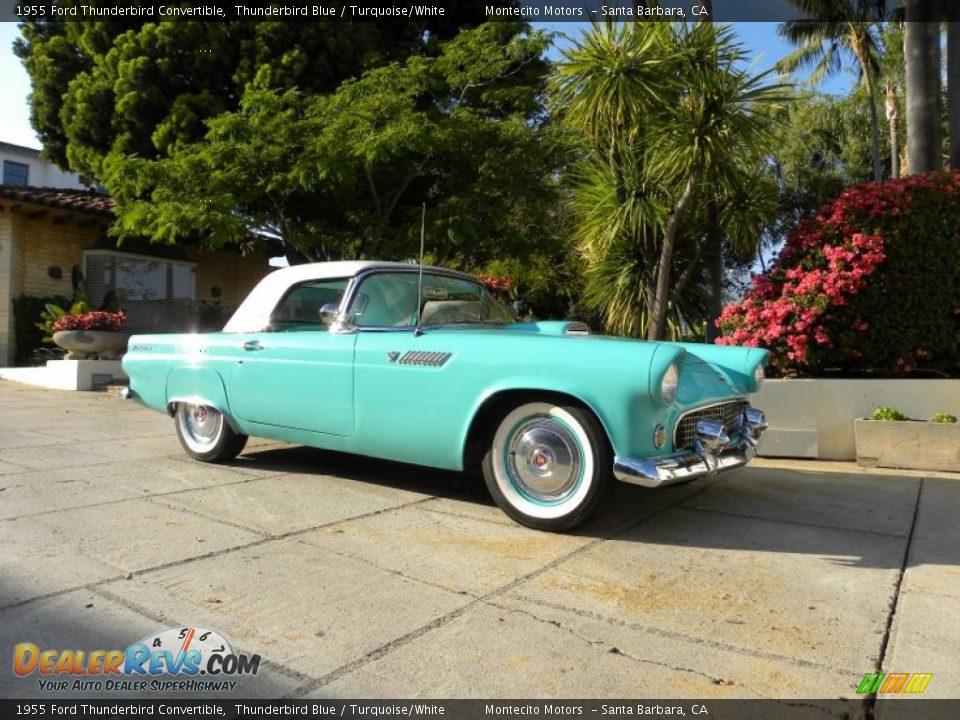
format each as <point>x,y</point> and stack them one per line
<point>713,452</point>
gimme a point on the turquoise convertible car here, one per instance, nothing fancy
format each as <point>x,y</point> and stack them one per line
<point>422,365</point>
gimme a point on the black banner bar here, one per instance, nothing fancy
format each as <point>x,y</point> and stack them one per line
<point>479,709</point>
<point>555,11</point>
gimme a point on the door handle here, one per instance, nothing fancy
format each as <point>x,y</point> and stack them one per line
<point>251,345</point>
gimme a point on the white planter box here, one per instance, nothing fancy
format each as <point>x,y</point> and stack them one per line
<point>908,444</point>
<point>814,418</point>
<point>68,374</point>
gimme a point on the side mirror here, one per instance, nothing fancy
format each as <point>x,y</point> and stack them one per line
<point>328,314</point>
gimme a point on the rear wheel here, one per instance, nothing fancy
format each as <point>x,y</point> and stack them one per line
<point>548,466</point>
<point>206,435</point>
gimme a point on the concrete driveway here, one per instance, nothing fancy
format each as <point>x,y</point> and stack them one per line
<point>360,578</point>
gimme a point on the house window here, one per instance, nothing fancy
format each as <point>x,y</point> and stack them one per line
<point>157,294</point>
<point>15,173</point>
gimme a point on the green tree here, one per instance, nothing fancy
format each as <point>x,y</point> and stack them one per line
<point>344,174</point>
<point>830,28</point>
<point>670,121</point>
<point>141,88</point>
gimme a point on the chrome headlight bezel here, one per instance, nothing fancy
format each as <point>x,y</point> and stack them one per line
<point>669,383</point>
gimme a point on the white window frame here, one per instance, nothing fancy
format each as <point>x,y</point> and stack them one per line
<point>137,256</point>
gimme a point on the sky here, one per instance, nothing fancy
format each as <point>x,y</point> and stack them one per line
<point>760,39</point>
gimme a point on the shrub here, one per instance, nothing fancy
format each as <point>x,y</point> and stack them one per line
<point>942,417</point>
<point>888,413</point>
<point>871,284</point>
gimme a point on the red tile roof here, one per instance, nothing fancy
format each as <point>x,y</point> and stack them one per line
<point>81,201</point>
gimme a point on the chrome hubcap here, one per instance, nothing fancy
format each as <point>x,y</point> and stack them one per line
<point>544,459</point>
<point>201,424</point>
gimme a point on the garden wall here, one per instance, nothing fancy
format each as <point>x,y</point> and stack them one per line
<point>814,418</point>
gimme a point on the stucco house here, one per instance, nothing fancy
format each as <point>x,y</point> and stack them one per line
<point>23,167</point>
<point>46,231</point>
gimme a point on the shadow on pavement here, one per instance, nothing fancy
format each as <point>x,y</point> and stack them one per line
<point>855,519</point>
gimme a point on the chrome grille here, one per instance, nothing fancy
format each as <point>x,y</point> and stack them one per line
<point>727,414</point>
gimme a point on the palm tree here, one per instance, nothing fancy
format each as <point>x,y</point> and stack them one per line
<point>891,71</point>
<point>668,114</point>
<point>921,49</point>
<point>953,83</point>
<point>835,27</point>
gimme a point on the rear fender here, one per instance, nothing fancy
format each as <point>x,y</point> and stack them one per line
<point>198,386</point>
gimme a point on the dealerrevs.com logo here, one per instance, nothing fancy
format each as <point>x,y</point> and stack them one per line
<point>200,659</point>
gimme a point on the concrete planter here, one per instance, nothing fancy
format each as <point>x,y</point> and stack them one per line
<point>910,444</point>
<point>92,344</point>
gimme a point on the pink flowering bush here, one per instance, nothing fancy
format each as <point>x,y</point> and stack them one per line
<point>497,285</point>
<point>95,320</point>
<point>871,284</point>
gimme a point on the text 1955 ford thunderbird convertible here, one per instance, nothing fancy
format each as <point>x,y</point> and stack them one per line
<point>424,366</point>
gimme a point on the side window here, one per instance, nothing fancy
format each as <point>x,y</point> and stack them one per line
<point>385,300</point>
<point>300,308</point>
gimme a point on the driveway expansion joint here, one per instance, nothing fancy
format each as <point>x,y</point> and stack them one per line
<point>162,619</point>
<point>392,571</point>
<point>870,701</point>
<point>674,635</point>
<point>614,650</point>
<point>482,600</point>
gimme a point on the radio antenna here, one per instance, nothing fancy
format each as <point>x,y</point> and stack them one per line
<point>423,223</point>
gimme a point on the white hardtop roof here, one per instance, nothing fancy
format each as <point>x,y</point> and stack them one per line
<point>254,312</point>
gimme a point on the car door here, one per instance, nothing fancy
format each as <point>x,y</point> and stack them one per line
<point>297,373</point>
<point>410,400</point>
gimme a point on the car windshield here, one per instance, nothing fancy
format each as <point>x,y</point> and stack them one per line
<point>390,300</point>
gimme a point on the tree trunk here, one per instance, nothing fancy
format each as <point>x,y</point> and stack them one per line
<point>714,263</point>
<point>661,297</point>
<point>874,126</point>
<point>953,82</point>
<point>921,49</point>
<point>863,58</point>
<point>714,247</point>
<point>893,115</point>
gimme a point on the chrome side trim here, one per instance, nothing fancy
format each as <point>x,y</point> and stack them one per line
<point>714,452</point>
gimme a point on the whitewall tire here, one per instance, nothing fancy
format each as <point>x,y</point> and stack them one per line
<point>548,466</point>
<point>205,433</point>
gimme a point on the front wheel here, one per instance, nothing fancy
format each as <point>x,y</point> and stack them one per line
<point>206,435</point>
<point>548,466</point>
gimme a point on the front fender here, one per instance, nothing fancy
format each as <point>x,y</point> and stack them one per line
<point>613,409</point>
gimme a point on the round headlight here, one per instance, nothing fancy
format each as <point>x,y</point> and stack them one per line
<point>758,377</point>
<point>669,383</point>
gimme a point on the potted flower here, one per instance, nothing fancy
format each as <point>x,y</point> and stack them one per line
<point>93,335</point>
<point>891,439</point>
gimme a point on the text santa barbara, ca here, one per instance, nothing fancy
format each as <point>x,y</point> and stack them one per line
<point>336,11</point>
